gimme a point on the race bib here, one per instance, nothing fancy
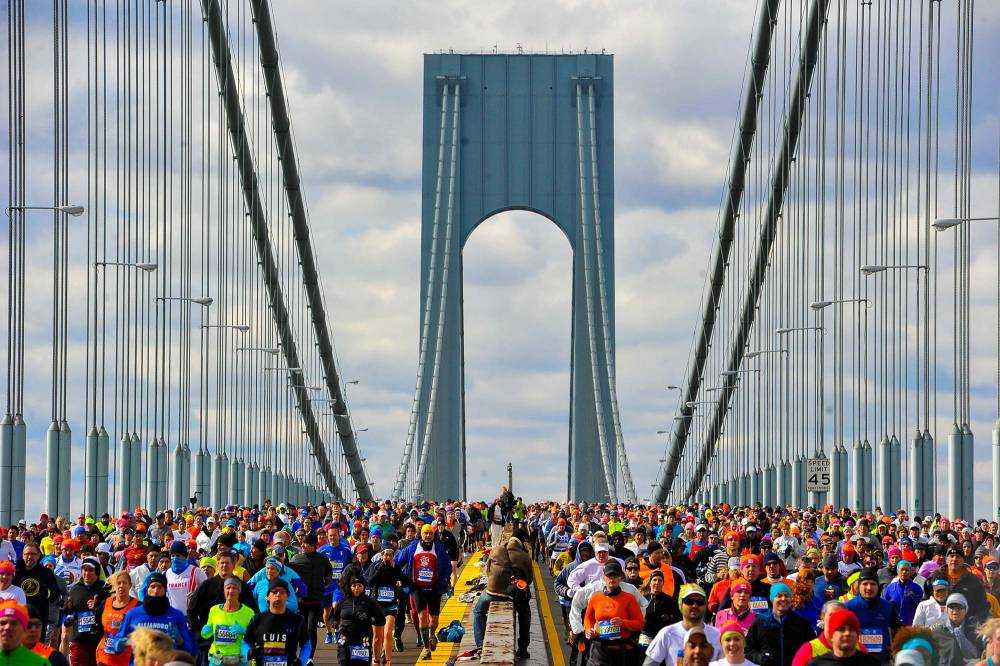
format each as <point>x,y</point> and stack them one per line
<point>85,621</point>
<point>226,633</point>
<point>608,630</point>
<point>338,566</point>
<point>644,639</point>
<point>871,639</point>
<point>758,604</point>
<point>275,660</point>
<point>425,574</point>
<point>359,652</point>
<point>386,594</point>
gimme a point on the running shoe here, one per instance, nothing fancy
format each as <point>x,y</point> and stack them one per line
<point>397,643</point>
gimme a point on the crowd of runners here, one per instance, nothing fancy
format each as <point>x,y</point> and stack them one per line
<point>771,586</point>
<point>636,584</point>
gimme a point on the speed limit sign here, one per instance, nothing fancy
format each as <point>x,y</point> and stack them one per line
<point>817,475</point>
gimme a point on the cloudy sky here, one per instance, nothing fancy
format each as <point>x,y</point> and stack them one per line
<point>353,74</point>
<point>354,79</point>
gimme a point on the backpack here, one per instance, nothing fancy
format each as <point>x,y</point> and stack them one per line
<point>453,633</point>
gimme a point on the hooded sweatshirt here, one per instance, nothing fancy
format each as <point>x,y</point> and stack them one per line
<point>155,613</point>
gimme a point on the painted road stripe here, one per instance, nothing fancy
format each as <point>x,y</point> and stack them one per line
<point>551,635</point>
<point>454,610</point>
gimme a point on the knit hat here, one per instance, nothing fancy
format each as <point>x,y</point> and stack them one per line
<point>841,618</point>
<point>779,588</point>
<point>740,586</point>
<point>868,573</point>
<point>10,608</point>
<point>730,627</point>
<point>277,584</point>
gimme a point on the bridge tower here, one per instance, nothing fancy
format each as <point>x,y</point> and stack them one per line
<point>504,132</point>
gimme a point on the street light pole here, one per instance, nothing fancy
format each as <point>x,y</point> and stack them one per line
<point>510,477</point>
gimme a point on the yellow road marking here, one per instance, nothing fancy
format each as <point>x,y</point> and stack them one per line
<point>552,636</point>
<point>454,610</point>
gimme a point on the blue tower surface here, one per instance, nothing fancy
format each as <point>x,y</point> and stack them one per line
<point>522,144</point>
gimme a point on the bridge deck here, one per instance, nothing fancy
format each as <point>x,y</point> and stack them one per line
<point>545,622</point>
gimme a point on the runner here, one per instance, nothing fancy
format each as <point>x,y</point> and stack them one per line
<point>426,563</point>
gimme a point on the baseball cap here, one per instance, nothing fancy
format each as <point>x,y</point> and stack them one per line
<point>909,657</point>
<point>697,629</point>
<point>613,568</point>
<point>957,599</point>
<point>689,590</point>
<point>601,548</point>
<point>91,562</point>
<point>940,582</point>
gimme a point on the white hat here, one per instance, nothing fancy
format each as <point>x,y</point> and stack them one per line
<point>601,547</point>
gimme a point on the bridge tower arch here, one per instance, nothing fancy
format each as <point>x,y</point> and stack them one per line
<point>507,132</point>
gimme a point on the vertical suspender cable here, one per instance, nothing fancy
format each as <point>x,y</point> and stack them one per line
<point>265,254</point>
<point>609,364</point>
<point>443,298</point>
<point>807,62</point>
<point>737,178</point>
<point>411,432</point>
<point>609,476</point>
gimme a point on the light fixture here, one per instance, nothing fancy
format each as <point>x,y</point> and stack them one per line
<point>204,301</point>
<point>735,373</point>
<point>142,266</point>
<point>267,350</point>
<point>242,328</point>
<point>943,223</point>
<point>819,305</point>
<point>759,352</point>
<point>284,369</point>
<point>791,329</point>
<point>693,403</point>
<point>69,209</point>
<point>872,269</point>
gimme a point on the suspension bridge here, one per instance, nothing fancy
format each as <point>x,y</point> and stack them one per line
<point>188,347</point>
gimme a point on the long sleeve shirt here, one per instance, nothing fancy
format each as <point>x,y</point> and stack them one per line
<point>582,598</point>
<point>613,617</point>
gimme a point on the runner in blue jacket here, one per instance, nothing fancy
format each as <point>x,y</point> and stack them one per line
<point>878,618</point>
<point>903,592</point>
<point>154,612</point>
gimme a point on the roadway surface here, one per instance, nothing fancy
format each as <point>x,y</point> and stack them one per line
<point>546,621</point>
